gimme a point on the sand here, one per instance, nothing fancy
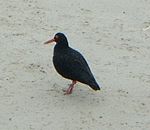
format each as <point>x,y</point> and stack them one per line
<point>114,37</point>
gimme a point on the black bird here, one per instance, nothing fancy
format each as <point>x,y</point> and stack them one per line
<point>71,64</point>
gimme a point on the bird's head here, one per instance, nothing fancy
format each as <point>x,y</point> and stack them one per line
<point>59,38</point>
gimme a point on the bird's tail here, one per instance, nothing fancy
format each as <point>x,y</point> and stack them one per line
<point>94,86</point>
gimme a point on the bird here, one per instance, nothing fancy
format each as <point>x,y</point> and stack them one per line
<point>70,63</point>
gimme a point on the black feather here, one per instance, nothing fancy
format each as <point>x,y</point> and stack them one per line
<point>71,64</point>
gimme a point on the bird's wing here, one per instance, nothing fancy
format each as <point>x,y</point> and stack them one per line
<point>78,67</point>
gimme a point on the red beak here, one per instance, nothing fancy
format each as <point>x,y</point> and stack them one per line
<point>49,41</point>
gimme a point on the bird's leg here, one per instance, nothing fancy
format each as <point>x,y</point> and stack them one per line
<point>70,89</point>
<point>72,86</point>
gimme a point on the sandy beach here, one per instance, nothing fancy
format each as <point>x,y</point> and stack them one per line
<point>113,36</point>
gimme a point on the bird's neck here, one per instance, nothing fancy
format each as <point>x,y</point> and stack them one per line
<point>61,45</point>
<point>60,48</point>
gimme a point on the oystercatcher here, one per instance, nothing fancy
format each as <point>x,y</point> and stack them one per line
<point>71,64</point>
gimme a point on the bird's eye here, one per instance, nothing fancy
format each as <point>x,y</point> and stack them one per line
<point>56,38</point>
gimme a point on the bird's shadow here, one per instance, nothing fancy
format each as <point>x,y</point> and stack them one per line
<point>81,96</point>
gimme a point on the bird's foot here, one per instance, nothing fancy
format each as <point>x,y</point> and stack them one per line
<point>70,89</point>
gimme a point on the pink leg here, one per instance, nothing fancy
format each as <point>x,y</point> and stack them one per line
<point>70,89</point>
